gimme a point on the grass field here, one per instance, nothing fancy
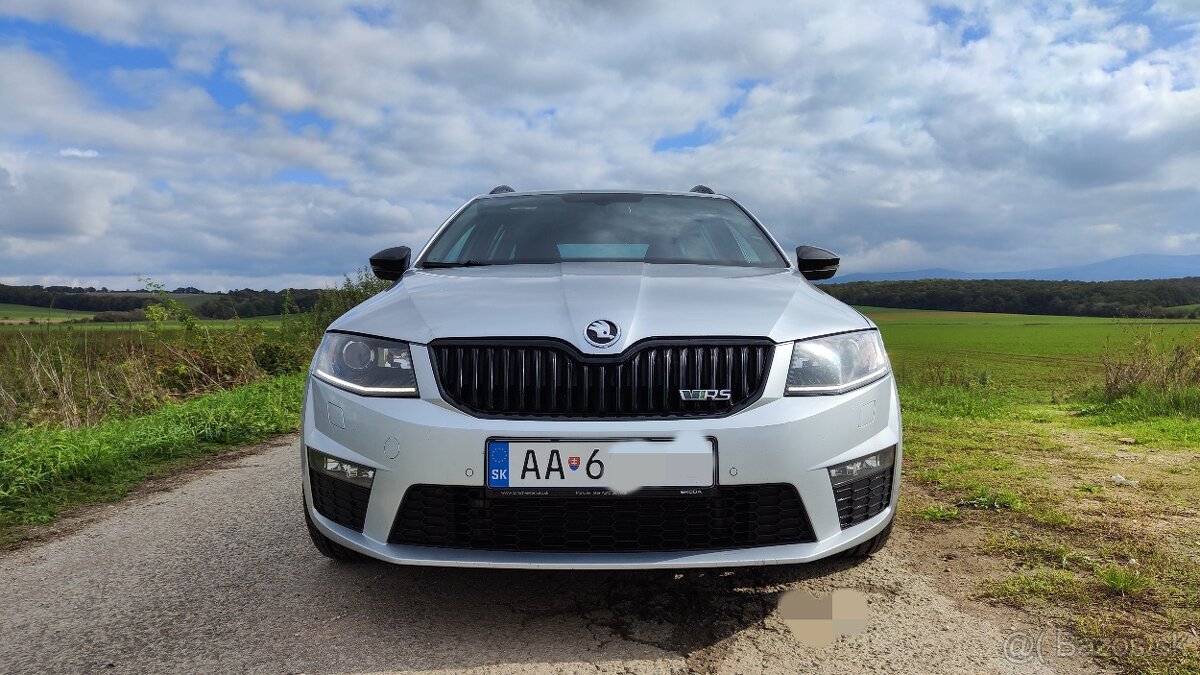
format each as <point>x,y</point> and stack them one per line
<point>1092,504</point>
<point>59,325</point>
<point>1031,356</point>
<point>20,315</point>
<point>23,313</point>
<point>189,300</point>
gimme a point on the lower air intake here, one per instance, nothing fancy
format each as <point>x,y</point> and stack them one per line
<point>728,517</point>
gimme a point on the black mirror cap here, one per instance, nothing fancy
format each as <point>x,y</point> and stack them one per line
<point>816,263</point>
<point>390,263</point>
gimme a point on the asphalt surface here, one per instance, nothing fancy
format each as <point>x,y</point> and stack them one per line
<point>218,575</point>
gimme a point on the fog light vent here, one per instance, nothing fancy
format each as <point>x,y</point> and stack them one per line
<point>341,469</point>
<point>862,488</point>
<point>863,466</point>
<point>340,490</point>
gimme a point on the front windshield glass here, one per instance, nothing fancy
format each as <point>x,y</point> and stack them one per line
<point>603,227</point>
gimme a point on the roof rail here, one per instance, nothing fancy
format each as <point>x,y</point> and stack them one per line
<point>501,189</point>
<point>702,189</point>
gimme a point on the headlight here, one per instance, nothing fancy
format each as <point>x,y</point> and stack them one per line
<point>367,366</point>
<point>836,364</point>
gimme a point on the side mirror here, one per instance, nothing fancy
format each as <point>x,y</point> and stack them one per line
<point>816,263</point>
<point>390,263</point>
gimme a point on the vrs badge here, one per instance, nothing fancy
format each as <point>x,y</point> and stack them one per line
<point>573,463</point>
<point>705,394</point>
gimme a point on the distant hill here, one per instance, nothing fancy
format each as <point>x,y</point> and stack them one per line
<point>1130,267</point>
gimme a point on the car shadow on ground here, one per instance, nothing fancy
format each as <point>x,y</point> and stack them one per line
<point>511,616</point>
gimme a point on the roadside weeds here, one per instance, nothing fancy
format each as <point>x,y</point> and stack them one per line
<point>1044,492</point>
<point>43,471</point>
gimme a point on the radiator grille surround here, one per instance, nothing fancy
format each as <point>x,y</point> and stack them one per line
<point>541,378</point>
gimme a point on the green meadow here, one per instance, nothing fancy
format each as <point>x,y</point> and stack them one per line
<point>25,313</point>
<point>1069,449</point>
<point>59,323</point>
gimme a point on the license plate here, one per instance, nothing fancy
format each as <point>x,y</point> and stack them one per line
<point>614,466</point>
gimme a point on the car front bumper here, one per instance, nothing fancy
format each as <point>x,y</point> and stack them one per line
<point>426,441</point>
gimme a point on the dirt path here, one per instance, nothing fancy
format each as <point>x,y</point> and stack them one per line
<point>218,575</point>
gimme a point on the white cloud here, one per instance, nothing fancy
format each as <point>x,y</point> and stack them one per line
<point>76,152</point>
<point>49,203</point>
<point>867,127</point>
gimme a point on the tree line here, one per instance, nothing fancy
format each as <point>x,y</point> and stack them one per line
<point>1160,298</point>
<point>121,305</point>
<point>71,297</point>
<point>247,303</point>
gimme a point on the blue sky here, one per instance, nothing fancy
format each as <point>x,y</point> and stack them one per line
<point>244,144</point>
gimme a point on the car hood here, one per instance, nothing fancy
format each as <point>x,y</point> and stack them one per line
<point>560,300</point>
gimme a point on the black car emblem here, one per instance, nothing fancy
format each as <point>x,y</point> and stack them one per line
<point>602,333</point>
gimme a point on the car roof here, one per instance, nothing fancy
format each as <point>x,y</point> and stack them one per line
<point>534,193</point>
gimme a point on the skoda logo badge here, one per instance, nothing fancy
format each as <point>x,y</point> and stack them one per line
<point>602,333</point>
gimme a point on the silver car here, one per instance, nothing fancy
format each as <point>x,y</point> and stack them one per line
<point>601,380</point>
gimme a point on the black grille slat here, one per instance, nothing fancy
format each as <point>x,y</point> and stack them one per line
<point>727,517</point>
<point>863,498</point>
<point>743,354</point>
<point>651,357</point>
<point>343,503</point>
<point>544,378</point>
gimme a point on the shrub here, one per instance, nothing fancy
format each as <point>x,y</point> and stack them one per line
<point>1152,367</point>
<point>280,357</point>
<point>336,301</point>
<point>120,317</point>
<point>1150,380</point>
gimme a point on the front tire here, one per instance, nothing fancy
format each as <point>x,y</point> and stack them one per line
<point>330,548</point>
<point>871,546</point>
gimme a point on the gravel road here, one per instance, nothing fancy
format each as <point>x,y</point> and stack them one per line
<point>217,575</point>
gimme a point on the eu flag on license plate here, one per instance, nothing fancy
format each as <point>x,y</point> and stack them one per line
<point>497,464</point>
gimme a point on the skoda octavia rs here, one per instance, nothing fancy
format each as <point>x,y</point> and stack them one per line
<point>601,380</point>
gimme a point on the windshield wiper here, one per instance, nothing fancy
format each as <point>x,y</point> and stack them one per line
<point>436,264</point>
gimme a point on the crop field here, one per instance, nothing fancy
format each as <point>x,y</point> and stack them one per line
<point>1087,499</point>
<point>22,314</point>
<point>189,300</point>
<point>1032,355</point>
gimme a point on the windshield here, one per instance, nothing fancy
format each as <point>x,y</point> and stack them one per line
<point>603,227</point>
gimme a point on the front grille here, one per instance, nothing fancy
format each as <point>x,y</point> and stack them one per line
<point>863,498</point>
<point>343,503</point>
<point>510,378</point>
<point>737,516</point>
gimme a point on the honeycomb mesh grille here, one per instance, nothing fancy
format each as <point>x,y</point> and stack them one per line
<point>343,503</point>
<point>513,378</point>
<point>863,498</point>
<point>727,517</point>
